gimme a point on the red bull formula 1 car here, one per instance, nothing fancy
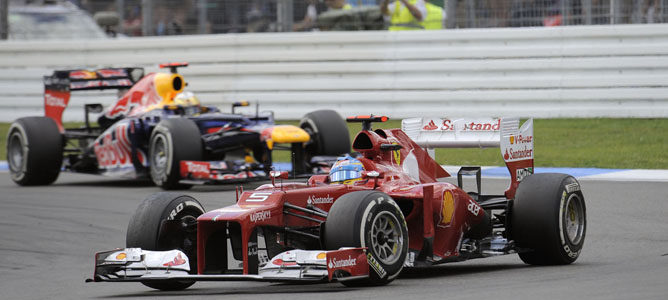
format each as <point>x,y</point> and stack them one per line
<point>373,215</point>
<point>157,130</point>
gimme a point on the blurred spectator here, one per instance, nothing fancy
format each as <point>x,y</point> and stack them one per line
<point>404,14</point>
<point>435,18</point>
<point>169,20</point>
<point>132,23</point>
<point>310,17</point>
<point>500,12</point>
<point>258,17</point>
<point>337,4</point>
<point>356,3</point>
<point>650,11</point>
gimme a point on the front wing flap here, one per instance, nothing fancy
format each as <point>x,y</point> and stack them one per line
<point>212,172</point>
<point>137,265</point>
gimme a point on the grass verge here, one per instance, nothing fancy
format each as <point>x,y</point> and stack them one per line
<point>582,143</point>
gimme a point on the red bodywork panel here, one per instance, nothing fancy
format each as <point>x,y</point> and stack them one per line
<point>405,175</point>
<point>55,102</point>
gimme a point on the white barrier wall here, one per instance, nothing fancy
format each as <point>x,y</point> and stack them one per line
<point>583,71</point>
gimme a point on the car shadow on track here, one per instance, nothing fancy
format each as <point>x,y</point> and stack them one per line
<point>456,270</point>
<point>225,289</point>
<point>124,183</point>
<point>319,288</point>
<point>134,183</point>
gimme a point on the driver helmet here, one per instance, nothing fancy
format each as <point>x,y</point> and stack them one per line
<point>188,101</point>
<point>346,170</point>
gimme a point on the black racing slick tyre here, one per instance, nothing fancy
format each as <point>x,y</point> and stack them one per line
<point>147,230</point>
<point>549,219</point>
<point>369,219</point>
<point>329,133</point>
<point>172,141</point>
<point>34,151</point>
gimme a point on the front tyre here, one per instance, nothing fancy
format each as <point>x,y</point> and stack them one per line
<point>369,219</point>
<point>549,219</point>
<point>172,141</point>
<point>34,151</point>
<point>329,133</point>
<point>148,230</point>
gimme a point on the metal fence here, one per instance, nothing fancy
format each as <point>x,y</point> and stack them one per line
<point>542,72</point>
<point>519,13</point>
<point>169,17</point>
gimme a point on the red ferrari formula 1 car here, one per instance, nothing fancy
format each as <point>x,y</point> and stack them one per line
<point>363,223</point>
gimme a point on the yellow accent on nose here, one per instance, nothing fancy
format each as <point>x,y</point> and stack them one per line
<point>322,255</point>
<point>121,256</point>
<point>289,134</point>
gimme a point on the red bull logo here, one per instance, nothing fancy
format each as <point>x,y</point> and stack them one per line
<point>82,74</point>
<point>107,73</point>
<point>116,152</point>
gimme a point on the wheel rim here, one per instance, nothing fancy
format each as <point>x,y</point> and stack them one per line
<point>188,243</point>
<point>574,219</point>
<point>15,155</point>
<point>386,238</point>
<point>186,236</point>
<point>159,155</point>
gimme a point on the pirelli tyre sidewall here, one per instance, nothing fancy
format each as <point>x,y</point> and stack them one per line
<point>549,221</point>
<point>34,151</point>
<point>328,131</point>
<point>146,225</point>
<point>373,220</point>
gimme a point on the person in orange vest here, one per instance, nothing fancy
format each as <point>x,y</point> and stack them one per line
<point>404,14</point>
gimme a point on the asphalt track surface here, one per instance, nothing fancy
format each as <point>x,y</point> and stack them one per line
<point>48,236</point>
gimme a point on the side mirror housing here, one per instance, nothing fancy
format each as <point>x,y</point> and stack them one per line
<point>279,174</point>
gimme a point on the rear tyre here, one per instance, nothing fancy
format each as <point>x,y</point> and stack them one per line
<point>369,219</point>
<point>549,219</point>
<point>146,231</point>
<point>34,151</point>
<point>172,141</point>
<point>328,131</point>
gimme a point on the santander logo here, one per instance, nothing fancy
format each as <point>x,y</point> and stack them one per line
<point>319,200</point>
<point>430,126</point>
<point>349,262</point>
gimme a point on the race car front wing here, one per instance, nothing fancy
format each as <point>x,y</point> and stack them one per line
<point>212,172</point>
<point>137,265</point>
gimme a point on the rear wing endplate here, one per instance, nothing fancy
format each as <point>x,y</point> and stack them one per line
<point>57,86</point>
<point>515,142</point>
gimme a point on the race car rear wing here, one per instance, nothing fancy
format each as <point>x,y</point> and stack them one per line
<point>515,142</point>
<point>57,86</point>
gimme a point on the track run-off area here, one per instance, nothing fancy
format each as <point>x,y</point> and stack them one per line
<point>49,234</point>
